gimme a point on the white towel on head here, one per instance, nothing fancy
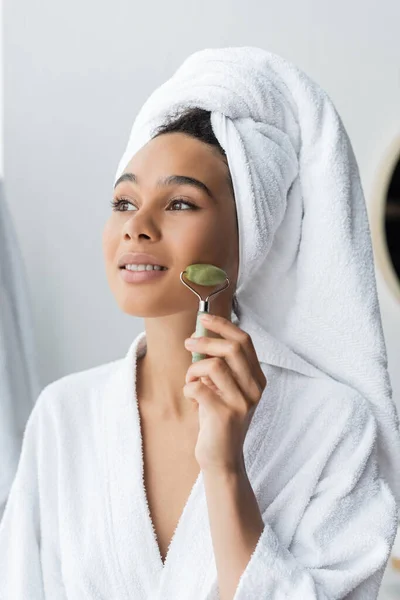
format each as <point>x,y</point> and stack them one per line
<point>306,287</point>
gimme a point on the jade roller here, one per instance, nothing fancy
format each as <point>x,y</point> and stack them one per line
<point>207,275</point>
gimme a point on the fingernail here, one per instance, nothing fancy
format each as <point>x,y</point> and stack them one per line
<point>190,342</point>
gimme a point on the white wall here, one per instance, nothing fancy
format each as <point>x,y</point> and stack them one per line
<point>76,74</point>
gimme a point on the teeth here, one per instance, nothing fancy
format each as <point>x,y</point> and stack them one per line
<point>144,268</point>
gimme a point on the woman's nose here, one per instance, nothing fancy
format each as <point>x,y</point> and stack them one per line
<point>142,222</point>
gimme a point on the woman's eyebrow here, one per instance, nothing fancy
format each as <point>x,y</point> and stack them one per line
<point>170,180</point>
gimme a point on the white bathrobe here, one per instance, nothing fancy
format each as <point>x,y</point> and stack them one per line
<point>77,523</point>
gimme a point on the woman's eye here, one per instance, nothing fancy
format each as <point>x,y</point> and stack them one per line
<point>181,201</point>
<point>118,202</point>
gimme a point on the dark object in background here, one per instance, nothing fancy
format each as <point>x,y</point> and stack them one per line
<point>392,220</point>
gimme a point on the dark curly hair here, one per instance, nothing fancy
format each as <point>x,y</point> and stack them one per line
<point>197,123</point>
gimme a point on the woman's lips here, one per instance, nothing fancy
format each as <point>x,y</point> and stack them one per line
<point>139,276</point>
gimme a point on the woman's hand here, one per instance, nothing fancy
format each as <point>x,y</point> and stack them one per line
<point>227,387</point>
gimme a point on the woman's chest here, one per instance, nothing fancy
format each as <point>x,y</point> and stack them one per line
<point>170,471</point>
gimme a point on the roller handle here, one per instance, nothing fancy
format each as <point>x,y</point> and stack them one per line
<point>200,331</point>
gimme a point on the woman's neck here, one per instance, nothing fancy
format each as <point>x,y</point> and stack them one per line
<point>162,370</point>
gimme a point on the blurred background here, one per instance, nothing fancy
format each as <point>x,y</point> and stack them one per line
<point>74,75</point>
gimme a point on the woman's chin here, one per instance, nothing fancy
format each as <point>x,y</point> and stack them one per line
<point>145,311</point>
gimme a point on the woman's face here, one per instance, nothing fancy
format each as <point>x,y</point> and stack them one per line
<point>155,219</point>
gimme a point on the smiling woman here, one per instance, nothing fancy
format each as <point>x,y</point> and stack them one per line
<point>173,206</point>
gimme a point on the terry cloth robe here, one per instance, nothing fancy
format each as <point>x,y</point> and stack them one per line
<point>77,523</point>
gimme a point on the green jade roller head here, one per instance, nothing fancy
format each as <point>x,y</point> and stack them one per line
<point>207,275</point>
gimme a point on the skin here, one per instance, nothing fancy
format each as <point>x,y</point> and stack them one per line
<point>179,236</point>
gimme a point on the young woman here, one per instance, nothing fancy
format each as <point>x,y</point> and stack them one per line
<point>259,471</point>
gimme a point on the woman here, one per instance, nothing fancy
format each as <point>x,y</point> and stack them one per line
<point>268,469</point>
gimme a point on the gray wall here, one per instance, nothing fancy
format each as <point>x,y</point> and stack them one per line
<point>76,74</point>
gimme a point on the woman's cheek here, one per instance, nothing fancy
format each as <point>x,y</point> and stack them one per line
<point>108,239</point>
